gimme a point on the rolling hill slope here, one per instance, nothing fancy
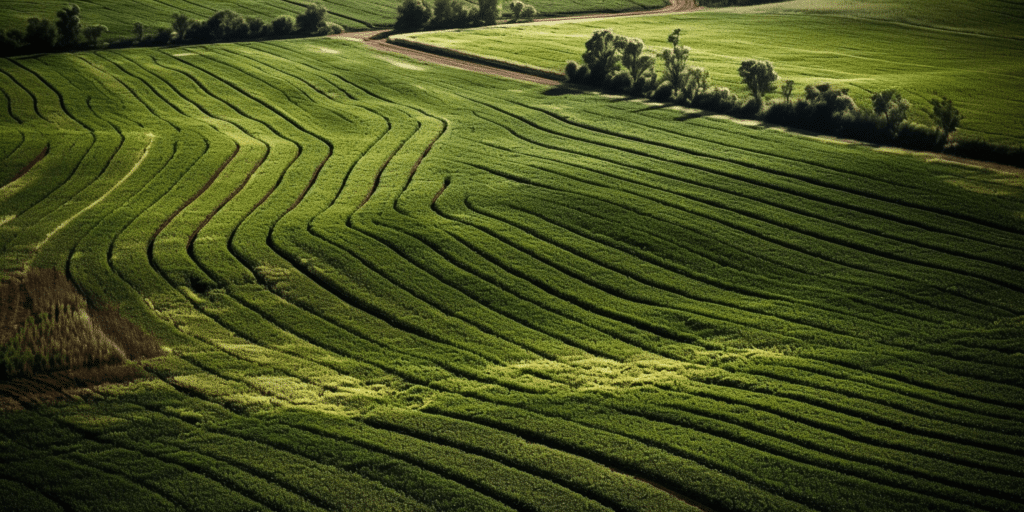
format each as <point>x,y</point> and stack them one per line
<point>387,285</point>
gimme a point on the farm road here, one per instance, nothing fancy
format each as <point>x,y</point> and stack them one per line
<point>370,38</point>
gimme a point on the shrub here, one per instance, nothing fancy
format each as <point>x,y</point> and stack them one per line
<point>92,33</point>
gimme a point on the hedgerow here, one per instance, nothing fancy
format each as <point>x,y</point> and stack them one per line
<point>611,63</point>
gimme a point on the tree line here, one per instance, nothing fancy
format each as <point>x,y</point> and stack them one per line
<point>618,64</point>
<point>68,32</point>
<point>415,15</point>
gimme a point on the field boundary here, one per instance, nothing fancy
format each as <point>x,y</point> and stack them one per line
<point>518,67</point>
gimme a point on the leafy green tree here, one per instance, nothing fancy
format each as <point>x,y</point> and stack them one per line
<point>182,24</point>
<point>602,57</point>
<point>413,15</point>
<point>312,20</point>
<point>69,25</point>
<point>92,34</point>
<point>759,77</point>
<point>10,41</point>
<point>282,26</point>
<point>945,114</point>
<point>522,11</point>
<point>892,106</point>
<point>447,14</point>
<point>40,35</point>
<point>490,11</point>
<point>675,63</point>
<point>787,90</point>
<point>633,59</point>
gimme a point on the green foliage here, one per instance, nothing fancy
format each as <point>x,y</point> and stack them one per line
<point>413,15</point>
<point>945,114</point>
<point>891,105</point>
<point>69,26</point>
<point>759,76</point>
<point>522,11</point>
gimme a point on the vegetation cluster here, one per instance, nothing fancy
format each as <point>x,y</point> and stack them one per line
<point>68,33</point>
<point>416,15</point>
<point>619,64</point>
<point>46,325</point>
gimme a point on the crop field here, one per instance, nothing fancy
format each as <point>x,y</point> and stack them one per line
<point>866,46</point>
<point>121,16</point>
<point>385,285</point>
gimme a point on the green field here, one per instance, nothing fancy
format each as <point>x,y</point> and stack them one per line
<point>121,16</point>
<point>972,53</point>
<point>387,285</point>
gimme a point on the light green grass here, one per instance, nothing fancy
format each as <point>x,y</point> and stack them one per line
<point>925,53</point>
<point>387,285</point>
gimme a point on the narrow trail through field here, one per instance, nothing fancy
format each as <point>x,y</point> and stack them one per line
<point>373,39</point>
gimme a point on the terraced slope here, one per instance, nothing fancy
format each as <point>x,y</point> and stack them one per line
<point>392,286</point>
<point>121,16</point>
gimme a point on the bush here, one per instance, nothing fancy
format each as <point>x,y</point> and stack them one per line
<point>92,34</point>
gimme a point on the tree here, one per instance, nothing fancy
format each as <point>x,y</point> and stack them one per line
<point>40,35</point>
<point>92,33</point>
<point>602,56</point>
<point>635,61</point>
<point>413,15</point>
<point>759,77</point>
<point>10,41</point>
<point>945,114</point>
<point>675,63</point>
<point>787,90</point>
<point>447,14</point>
<point>892,106</point>
<point>282,26</point>
<point>312,20</point>
<point>181,24</point>
<point>522,11</point>
<point>69,26</point>
<point>490,11</point>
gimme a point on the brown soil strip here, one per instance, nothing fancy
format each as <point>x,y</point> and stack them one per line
<point>462,60</point>
<point>31,164</point>
<point>438,194</point>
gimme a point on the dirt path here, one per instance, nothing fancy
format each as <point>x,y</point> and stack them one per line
<point>373,39</point>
